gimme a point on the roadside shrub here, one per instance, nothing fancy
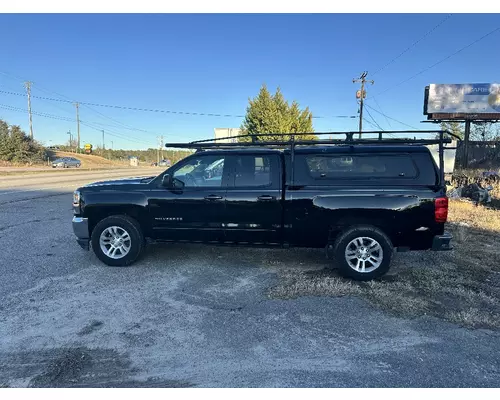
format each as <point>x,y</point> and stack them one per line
<point>17,147</point>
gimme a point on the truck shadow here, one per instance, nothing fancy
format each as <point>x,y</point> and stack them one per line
<point>228,256</point>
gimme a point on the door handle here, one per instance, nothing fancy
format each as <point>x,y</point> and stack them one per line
<point>266,197</point>
<point>212,197</point>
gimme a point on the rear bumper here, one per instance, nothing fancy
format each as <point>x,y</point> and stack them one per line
<point>442,242</point>
<point>81,230</point>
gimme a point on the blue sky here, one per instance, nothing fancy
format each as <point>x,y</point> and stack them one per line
<point>214,63</point>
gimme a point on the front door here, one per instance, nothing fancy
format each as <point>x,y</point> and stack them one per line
<point>253,199</point>
<point>194,209</point>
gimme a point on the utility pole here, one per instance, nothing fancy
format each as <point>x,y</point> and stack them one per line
<point>103,147</point>
<point>70,140</point>
<point>466,142</point>
<point>161,146</point>
<point>361,94</point>
<point>77,127</point>
<point>158,141</point>
<point>28,89</point>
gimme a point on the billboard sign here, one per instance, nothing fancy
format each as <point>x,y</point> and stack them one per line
<point>464,99</point>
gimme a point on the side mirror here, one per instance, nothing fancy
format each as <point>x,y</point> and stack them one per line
<point>167,181</point>
<point>170,182</point>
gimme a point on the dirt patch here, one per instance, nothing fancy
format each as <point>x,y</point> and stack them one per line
<point>460,286</point>
<point>65,370</point>
<point>76,367</point>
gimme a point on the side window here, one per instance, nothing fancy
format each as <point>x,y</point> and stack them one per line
<point>313,169</point>
<point>253,171</point>
<point>203,171</point>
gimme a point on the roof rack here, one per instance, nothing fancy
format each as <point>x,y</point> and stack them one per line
<point>293,140</point>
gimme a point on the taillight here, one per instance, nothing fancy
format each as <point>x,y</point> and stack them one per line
<point>441,209</point>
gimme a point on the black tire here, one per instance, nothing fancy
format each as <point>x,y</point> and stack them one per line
<point>362,231</point>
<point>132,227</point>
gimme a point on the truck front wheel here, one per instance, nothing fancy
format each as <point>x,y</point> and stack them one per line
<point>363,253</point>
<point>117,240</point>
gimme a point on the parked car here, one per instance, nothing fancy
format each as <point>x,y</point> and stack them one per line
<point>165,163</point>
<point>66,162</point>
<point>359,201</point>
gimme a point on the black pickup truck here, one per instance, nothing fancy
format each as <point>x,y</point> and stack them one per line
<point>358,199</point>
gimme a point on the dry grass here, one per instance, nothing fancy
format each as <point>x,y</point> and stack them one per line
<point>463,212</point>
<point>460,286</point>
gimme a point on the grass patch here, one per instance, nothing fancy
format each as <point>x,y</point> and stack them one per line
<point>461,286</point>
<point>480,217</point>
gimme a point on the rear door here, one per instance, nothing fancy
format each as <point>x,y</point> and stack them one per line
<point>254,199</point>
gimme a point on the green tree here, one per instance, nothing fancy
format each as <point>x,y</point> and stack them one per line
<point>16,146</point>
<point>456,128</point>
<point>267,114</point>
<point>4,140</point>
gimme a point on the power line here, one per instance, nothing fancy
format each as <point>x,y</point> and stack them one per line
<point>122,125</point>
<point>67,119</point>
<point>382,111</point>
<point>373,119</point>
<point>94,122</point>
<point>393,119</point>
<point>370,123</point>
<point>413,44</point>
<point>90,124</point>
<point>113,134</point>
<point>439,62</point>
<point>154,110</point>
<point>46,90</point>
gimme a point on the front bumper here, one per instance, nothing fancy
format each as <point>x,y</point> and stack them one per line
<point>81,230</point>
<point>442,242</point>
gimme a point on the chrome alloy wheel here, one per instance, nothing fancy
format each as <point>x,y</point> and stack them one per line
<point>115,242</point>
<point>364,254</point>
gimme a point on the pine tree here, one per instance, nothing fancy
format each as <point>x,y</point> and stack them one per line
<point>4,141</point>
<point>16,146</point>
<point>268,114</point>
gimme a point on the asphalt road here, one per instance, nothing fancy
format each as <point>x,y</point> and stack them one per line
<point>188,315</point>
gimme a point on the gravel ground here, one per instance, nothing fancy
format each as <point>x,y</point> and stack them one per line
<point>194,316</point>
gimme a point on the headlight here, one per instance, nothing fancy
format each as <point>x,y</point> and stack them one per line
<point>76,198</point>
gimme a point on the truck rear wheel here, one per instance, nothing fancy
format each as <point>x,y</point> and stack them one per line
<point>117,240</point>
<point>363,253</point>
